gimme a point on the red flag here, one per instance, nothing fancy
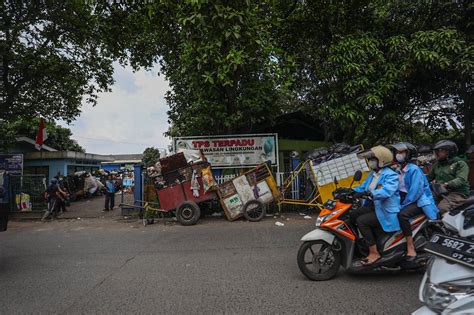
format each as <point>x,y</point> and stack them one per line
<point>42,135</point>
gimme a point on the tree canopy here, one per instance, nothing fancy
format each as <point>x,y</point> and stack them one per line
<point>384,69</point>
<point>151,155</point>
<point>225,70</point>
<point>375,71</point>
<point>59,137</point>
<point>53,58</point>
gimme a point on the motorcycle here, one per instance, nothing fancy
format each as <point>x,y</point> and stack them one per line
<point>448,284</point>
<point>337,242</point>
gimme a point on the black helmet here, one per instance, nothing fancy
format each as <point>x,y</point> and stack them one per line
<point>448,145</point>
<point>406,146</point>
<point>425,149</point>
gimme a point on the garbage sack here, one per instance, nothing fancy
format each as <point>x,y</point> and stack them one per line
<point>192,156</point>
<point>316,153</point>
<point>340,148</point>
<point>90,184</point>
<point>23,202</point>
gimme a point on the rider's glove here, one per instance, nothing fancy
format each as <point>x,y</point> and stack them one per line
<point>363,194</point>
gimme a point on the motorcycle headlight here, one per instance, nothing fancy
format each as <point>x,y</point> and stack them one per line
<point>439,296</point>
<point>321,219</point>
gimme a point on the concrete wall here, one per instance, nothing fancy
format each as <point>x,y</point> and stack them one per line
<point>55,166</point>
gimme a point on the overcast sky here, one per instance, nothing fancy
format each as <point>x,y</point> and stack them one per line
<point>128,119</point>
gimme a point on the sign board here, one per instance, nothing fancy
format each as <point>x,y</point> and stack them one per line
<point>233,151</point>
<point>11,163</point>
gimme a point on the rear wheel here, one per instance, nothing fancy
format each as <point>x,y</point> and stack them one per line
<point>254,210</point>
<point>188,213</point>
<point>318,261</point>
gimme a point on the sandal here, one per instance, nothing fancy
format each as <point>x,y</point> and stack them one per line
<point>366,262</point>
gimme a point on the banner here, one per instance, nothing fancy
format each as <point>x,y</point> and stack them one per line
<point>11,163</point>
<point>233,151</point>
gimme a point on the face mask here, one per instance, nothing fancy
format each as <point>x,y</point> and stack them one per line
<point>373,165</point>
<point>401,157</point>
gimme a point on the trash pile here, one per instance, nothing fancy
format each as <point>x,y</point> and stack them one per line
<point>181,167</point>
<point>337,150</point>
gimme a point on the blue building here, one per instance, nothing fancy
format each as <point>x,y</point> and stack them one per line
<point>51,162</point>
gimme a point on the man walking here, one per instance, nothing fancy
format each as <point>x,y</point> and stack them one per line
<point>54,197</point>
<point>110,189</point>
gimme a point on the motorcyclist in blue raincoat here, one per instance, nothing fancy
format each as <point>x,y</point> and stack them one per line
<point>415,193</point>
<point>382,185</point>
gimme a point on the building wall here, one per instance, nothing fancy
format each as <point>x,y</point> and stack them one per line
<point>54,166</point>
<point>61,166</point>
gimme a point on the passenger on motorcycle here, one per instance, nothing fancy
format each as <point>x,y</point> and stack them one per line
<point>451,172</point>
<point>382,186</point>
<point>415,193</point>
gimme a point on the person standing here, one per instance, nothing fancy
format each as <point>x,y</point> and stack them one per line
<point>64,191</point>
<point>110,189</point>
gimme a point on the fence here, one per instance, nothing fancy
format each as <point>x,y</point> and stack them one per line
<point>33,186</point>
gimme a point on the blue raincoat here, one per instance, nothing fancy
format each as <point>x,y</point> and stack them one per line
<point>418,191</point>
<point>386,198</point>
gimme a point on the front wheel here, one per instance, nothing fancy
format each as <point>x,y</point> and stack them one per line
<point>318,260</point>
<point>188,213</point>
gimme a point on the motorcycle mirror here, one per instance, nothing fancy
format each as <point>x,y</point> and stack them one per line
<point>357,177</point>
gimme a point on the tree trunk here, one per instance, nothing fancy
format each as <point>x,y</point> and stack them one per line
<point>468,109</point>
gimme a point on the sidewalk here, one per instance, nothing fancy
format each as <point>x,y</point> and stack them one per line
<point>84,209</point>
<point>90,208</point>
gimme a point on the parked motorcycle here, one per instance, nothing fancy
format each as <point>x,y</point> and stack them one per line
<point>448,284</point>
<point>337,242</point>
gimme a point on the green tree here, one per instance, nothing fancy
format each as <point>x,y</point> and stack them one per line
<point>59,137</point>
<point>151,155</point>
<point>375,69</point>
<point>225,70</point>
<point>52,58</point>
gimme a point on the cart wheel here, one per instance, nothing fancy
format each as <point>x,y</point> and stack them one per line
<point>188,213</point>
<point>254,210</point>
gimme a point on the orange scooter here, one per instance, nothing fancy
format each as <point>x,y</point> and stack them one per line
<point>337,242</point>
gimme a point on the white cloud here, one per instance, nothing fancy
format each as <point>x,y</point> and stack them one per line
<point>128,119</point>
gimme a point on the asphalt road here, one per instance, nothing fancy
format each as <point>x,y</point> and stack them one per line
<point>108,266</point>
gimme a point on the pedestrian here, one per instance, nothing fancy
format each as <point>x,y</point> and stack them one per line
<point>54,197</point>
<point>64,191</point>
<point>110,189</point>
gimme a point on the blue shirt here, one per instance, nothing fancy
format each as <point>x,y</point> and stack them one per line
<point>418,191</point>
<point>386,198</point>
<point>109,186</point>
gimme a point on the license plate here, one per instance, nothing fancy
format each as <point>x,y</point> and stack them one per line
<point>455,249</point>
